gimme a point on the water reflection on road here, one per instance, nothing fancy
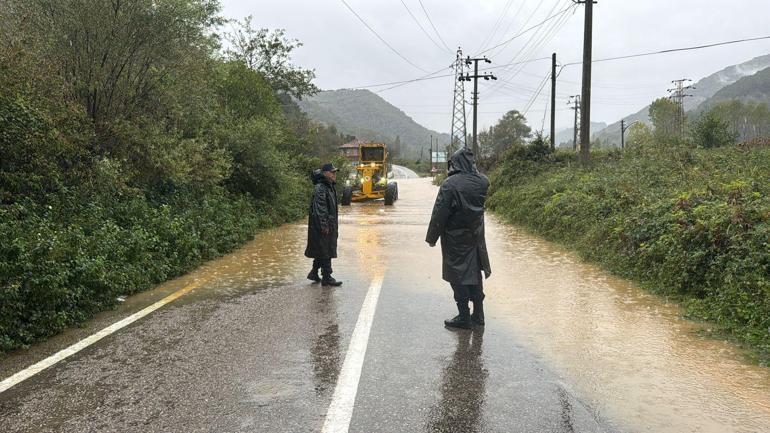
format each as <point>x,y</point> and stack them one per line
<point>460,407</point>
<point>628,352</point>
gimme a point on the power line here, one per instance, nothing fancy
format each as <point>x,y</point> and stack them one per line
<point>432,75</point>
<point>527,21</point>
<point>539,41</point>
<point>673,50</point>
<point>496,27</point>
<point>549,33</point>
<point>507,41</point>
<point>423,28</point>
<point>380,37</point>
<point>434,27</point>
<point>510,23</point>
<point>539,91</point>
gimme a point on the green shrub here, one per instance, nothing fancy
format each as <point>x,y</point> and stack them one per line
<point>688,223</point>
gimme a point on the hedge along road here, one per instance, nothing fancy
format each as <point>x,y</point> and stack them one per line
<point>252,346</point>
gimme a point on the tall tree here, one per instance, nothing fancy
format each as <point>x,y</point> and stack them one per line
<point>117,54</point>
<point>509,131</point>
<point>269,52</point>
<point>712,131</point>
<point>664,115</point>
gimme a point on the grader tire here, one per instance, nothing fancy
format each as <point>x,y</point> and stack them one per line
<point>390,194</point>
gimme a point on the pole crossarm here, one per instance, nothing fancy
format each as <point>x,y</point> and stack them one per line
<point>475,78</point>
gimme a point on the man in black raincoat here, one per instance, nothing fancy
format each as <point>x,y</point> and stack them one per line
<point>322,225</point>
<point>458,219</point>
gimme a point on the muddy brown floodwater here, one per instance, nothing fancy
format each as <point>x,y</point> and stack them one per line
<point>266,346</point>
<point>626,351</point>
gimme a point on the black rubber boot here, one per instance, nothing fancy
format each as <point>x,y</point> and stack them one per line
<point>462,320</point>
<point>478,312</point>
<point>313,276</point>
<point>329,281</point>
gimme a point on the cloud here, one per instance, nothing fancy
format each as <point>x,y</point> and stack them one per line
<point>345,54</point>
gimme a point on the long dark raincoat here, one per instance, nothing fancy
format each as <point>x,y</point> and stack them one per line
<point>458,219</point>
<point>322,215</point>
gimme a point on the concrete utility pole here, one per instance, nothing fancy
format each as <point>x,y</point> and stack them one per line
<point>475,77</point>
<point>678,96</point>
<point>430,167</point>
<point>585,100</point>
<point>553,102</point>
<point>575,100</point>
<point>622,133</point>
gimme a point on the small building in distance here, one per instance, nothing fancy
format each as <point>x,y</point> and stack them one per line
<point>350,150</point>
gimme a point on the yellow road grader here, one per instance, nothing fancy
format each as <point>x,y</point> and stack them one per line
<point>371,181</point>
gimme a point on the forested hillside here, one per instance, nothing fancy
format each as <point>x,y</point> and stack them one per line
<point>702,91</point>
<point>369,117</point>
<point>754,88</point>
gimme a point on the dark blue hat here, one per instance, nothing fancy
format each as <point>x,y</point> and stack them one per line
<point>329,167</point>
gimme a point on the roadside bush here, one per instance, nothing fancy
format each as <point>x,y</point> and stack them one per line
<point>687,223</point>
<point>63,262</point>
<point>711,131</point>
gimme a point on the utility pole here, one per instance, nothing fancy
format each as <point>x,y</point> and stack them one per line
<point>585,100</point>
<point>458,133</point>
<point>575,100</point>
<point>623,129</point>
<point>475,77</point>
<point>622,133</point>
<point>430,167</point>
<point>678,96</point>
<point>553,101</point>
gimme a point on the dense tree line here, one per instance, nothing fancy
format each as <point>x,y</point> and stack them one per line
<point>133,147</point>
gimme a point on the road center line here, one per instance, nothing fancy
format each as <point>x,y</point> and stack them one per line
<point>82,344</point>
<point>341,408</point>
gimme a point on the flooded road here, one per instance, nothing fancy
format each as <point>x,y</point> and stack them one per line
<point>256,347</point>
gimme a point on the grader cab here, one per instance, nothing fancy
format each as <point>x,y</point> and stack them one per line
<point>371,181</point>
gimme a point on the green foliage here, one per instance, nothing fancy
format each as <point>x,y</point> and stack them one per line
<point>711,131</point>
<point>639,134</point>
<point>688,223</point>
<point>114,57</point>
<point>746,120</point>
<point>510,131</point>
<point>664,115</point>
<point>269,53</point>
<point>141,154</point>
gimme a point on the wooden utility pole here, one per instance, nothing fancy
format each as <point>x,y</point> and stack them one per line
<point>585,100</point>
<point>475,77</point>
<point>553,102</point>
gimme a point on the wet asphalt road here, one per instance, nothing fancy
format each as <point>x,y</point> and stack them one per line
<point>258,348</point>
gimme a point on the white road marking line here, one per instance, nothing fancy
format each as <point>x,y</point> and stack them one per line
<point>82,344</point>
<point>341,408</point>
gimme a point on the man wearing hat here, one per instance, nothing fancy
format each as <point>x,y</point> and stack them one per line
<point>322,225</point>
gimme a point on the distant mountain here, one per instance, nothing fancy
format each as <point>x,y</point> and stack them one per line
<point>369,117</point>
<point>754,88</point>
<point>564,137</point>
<point>703,91</point>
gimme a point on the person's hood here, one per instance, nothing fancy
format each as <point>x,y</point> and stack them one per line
<point>462,162</point>
<point>318,176</point>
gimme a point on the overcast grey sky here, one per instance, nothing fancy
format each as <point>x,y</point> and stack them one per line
<point>345,54</point>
